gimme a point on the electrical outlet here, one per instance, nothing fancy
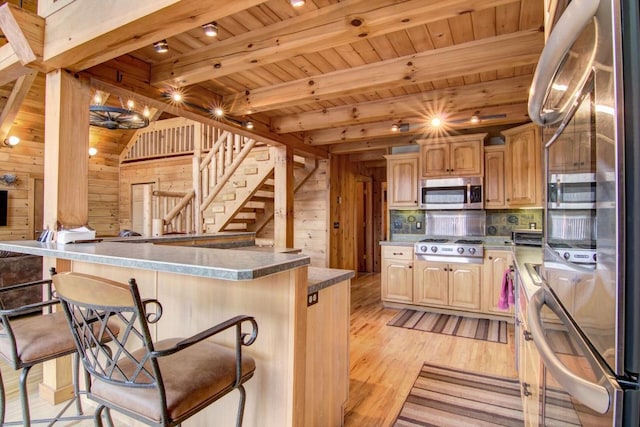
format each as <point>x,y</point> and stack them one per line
<point>312,299</point>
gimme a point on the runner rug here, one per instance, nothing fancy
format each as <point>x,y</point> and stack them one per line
<point>449,397</point>
<point>467,327</point>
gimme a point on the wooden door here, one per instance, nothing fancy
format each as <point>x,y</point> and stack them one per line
<point>141,212</point>
<point>38,207</point>
<point>435,160</point>
<point>494,197</point>
<point>464,286</point>
<point>431,283</point>
<point>466,158</point>
<point>364,223</point>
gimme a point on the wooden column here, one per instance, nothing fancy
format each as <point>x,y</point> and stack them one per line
<point>283,198</point>
<point>66,188</point>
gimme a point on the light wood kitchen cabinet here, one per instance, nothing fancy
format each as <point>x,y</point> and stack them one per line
<point>572,153</point>
<point>431,283</point>
<point>397,274</point>
<point>523,167</point>
<point>529,371</point>
<point>458,156</point>
<point>495,265</point>
<point>449,285</point>
<point>494,191</point>
<point>402,180</point>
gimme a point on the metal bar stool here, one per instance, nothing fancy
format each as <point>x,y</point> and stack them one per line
<point>32,334</point>
<point>159,383</point>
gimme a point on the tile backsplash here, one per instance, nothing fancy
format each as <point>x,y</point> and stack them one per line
<point>406,224</point>
<point>410,225</point>
<point>503,222</point>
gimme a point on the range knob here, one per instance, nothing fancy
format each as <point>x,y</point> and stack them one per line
<point>423,248</point>
<point>434,249</point>
<point>472,251</point>
<point>566,255</point>
<point>460,250</point>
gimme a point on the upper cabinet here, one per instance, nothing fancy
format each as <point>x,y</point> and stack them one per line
<point>452,157</point>
<point>494,163</point>
<point>574,153</point>
<point>402,180</point>
<point>523,166</point>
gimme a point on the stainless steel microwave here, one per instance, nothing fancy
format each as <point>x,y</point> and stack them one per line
<point>451,193</point>
<point>572,191</point>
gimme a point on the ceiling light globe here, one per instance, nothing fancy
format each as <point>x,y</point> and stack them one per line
<point>248,125</point>
<point>176,96</point>
<point>210,29</point>
<point>394,128</point>
<point>218,112</point>
<point>474,119</point>
<point>436,122</point>
<point>296,3</point>
<point>161,47</point>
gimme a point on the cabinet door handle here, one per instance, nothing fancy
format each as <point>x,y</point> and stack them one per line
<point>397,253</point>
<point>525,390</point>
<point>527,335</point>
<point>490,257</point>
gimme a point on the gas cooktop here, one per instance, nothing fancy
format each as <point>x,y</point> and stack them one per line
<point>450,250</point>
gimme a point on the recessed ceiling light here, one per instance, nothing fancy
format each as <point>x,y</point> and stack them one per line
<point>161,47</point>
<point>12,141</point>
<point>218,112</point>
<point>210,29</point>
<point>176,96</point>
<point>436,122</point>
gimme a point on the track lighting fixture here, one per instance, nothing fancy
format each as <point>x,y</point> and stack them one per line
<point>210,29</point>
<point>12,141</point>
<point>161,47</point>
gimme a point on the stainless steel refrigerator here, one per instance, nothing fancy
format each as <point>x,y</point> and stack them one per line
<point>585,318</point>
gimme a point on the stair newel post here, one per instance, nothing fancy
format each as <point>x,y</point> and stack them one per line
<point>229,155</point>
<point>196,178</point>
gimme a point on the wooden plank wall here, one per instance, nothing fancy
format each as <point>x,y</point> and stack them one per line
<point>25,160</point>
<point>172,174</point>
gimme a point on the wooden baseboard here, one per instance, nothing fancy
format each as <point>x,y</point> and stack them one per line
<point>55,396</point>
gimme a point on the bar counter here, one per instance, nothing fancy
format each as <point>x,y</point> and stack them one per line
<point>301,353</point>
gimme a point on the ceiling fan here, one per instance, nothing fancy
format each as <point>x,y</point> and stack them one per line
<point>109,117</point>
<point>477,118</point>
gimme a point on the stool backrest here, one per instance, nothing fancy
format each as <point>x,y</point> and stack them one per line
<point>91,302</point>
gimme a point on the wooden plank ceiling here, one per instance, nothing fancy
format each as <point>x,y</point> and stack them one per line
<point>339,74</point>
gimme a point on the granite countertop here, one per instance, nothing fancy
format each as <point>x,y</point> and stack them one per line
<point>227,264</point>
<point>242,238</point>
<point>320,278</point>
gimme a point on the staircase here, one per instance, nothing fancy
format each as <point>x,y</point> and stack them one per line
<point>233,179</point>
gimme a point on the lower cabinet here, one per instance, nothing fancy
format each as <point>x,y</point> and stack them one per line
<point>529,367</point>
<point>397,274</point>
<point>496,263</point>
<point>447,285</point>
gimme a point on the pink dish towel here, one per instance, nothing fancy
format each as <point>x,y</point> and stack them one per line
<point>506,292</point>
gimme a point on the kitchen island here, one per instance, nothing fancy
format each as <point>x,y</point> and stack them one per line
<point>302,348</point>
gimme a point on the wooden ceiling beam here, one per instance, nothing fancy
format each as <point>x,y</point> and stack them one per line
<point>25,36</point>
<point>478,96</point>
<point>260,132</point>
<point>514,113</point>
<point>328,27</point>
<point>372,144</point>
<point>14,102</point>
<point>509,50</point>
<point>78,35</point>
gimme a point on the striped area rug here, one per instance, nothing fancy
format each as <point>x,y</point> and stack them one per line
<point>467,327</point>
<point>449,397</point>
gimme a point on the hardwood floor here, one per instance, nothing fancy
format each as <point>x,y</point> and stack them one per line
<point>384,361</point>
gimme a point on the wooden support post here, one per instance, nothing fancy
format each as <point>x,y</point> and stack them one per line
<point>66,167</point>
<point>196,177</point>
<point>283,197</point>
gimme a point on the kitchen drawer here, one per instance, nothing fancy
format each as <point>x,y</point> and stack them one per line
<point>397,252</point>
